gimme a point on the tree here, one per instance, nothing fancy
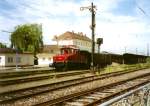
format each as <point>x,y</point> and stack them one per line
<point>2,45</point>
<point>27,38</point>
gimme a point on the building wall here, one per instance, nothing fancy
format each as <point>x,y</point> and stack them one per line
<point>82,44</point>
<point>22,59</point>
<point>2,60</point>
<point>44,59</point>
<point>65,42</point>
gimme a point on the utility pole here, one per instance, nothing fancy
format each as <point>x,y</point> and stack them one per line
<point>136,50</point>
<point>125,49</point>
<point>92,9</point>
<point>147,49</point>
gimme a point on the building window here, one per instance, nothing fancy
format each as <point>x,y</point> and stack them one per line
<point>10,59</point>
<point>75,43</point>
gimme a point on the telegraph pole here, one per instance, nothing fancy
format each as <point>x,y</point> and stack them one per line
<point>136,50</point>
<point>125,49</point>
<point>147,49</point>
<point>92,9</point>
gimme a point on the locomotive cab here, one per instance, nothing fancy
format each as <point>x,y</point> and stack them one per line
<point>68,51</point>
<point>62,61</point>
<point>71,58</point>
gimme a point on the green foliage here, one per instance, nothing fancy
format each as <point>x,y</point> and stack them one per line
<point>27,38</point>
<point>2,45</point>
<point>148,60</point>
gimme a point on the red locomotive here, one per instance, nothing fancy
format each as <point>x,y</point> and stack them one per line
<point>71,58</point>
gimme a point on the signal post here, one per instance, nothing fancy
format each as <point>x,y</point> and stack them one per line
<point>92,9</point>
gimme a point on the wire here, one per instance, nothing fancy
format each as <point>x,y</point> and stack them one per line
<point>142,10</point>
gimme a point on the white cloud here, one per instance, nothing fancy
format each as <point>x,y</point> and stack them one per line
<point>58,16</point>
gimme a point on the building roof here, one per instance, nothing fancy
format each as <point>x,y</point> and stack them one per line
<point>71,35</point>
<point>10,50</point>
<point>48,48</point>
<point>7,50</point>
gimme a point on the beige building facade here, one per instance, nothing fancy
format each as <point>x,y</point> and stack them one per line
<point>78,39</point>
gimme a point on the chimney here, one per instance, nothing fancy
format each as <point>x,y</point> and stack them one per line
<point>81,34</point>
<point>72,32</point>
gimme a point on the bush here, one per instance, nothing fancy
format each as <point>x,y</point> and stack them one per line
<point>148,60</point>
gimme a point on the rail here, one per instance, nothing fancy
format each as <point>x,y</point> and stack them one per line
<point>71,99</point>
<point>139,96</point>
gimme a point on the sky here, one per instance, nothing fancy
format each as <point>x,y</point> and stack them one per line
<point>124,25</point>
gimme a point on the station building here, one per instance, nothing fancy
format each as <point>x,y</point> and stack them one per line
<point>9,58</point>
<point>79,40</point>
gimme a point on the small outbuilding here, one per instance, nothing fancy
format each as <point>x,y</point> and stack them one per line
<point>45,58</point>
<point>9,58</point>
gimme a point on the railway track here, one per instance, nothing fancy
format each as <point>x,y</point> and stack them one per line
<point>11,97</point>
<point>98,95</point>
<point>12,74</point>
<point>40,75</point>
<point>9,78</point>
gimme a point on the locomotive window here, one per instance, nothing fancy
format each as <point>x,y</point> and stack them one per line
<point>64,51</point>
<point>68,51</point>
<point>73,51</point>
<point>61,51</point>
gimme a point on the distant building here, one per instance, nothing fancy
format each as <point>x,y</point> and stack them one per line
<point>46,57</point>
<point>68,38</point>
<point>9,57</point>
<point>78,39</point>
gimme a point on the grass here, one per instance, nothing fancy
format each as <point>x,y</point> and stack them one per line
<point>122,67</point>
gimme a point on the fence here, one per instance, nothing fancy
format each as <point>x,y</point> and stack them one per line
<point>137,97</point>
